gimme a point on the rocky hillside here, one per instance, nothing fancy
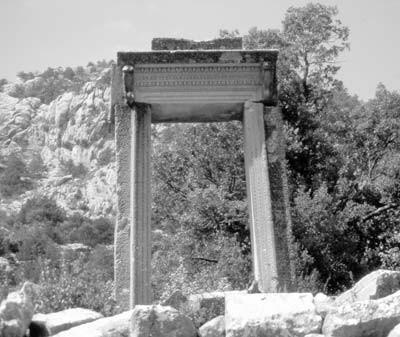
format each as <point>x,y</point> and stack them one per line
<point>65,141</point>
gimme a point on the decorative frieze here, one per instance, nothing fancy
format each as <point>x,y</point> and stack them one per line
<point>205,75</point>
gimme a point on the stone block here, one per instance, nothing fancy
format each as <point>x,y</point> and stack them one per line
<point>184,44</point>
<point>213,328</point>
<point>364,318</point>
<point>115,326</point>
<point>375,285</point>
<point>323,304</point>
<point>160,321</point>
<point>56,322</point>
<point>16,311</point>
<point>277,314</point>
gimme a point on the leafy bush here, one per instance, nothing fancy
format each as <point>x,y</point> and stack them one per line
<point>69,167</point>
<point>14,176</point>
<point>76,284</point>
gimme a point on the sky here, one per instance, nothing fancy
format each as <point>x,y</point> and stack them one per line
<point>36,34</point>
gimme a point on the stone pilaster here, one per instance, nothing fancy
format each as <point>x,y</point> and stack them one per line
<point>140,243</point>
<point>280,197</point>
<point>122,226</point>
<point>259,198</point>
<point>120,115</point>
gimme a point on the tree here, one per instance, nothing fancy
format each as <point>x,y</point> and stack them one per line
<point>315,40</point>
<point>14,176</point>
<point>25,76</point>
<point>3,82</point>
<point>226,33</point>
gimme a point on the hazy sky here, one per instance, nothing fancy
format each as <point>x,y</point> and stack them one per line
<point>36,34</point>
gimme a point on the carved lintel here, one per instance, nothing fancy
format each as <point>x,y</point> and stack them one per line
<point>128,75</point>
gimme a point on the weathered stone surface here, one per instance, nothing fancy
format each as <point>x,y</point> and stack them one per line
<point>199,56</point>
<point>115,326</point>
<point>210,305</point>
<point>278,314</point>
<point>364,318</point>
<point>122,226</point>
<point>323,304</point>
<point>63,320</point>
<point>16,311</point>
<point>176,300</point>
<point>263,242</point>
<point>160,321</point>
<point>375,285</point>
<point>183,44</point>
<point>213,328</point>
<point>140,207</point>
<point>395,332</point>
<point>213,303</point>
<point>62,180</point>
<point>275,141</point>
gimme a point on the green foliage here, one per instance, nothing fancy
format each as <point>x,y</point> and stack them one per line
<point>14,176</point>
<point>106,156</point>
<point>3,82</point>
<point>76,283</point>
<point>76,170</point>
<point>199,196</point>
<point>91,232</point>
<point>52,82</point>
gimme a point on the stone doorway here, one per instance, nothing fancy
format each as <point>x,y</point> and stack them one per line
<point>199,86</point>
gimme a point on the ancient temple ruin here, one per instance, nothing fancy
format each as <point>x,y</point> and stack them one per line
<point>184,81</point>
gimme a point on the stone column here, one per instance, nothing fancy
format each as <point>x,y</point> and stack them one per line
<point>140,205</point>
<point>259,198</point>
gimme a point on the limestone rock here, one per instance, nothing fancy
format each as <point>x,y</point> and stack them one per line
<point>62,180</point>
<point>115,326</point>
<point>364,318</point>
<point>323,304</point>
<point>160,321</point>
<point>63,320</point>
<point>395,332</point>
<point>375,285</point>
<point>176,300</point>
<point>16,311</point>
<point>273,314</point>
<point>213,328</point>
<point>213,303</point>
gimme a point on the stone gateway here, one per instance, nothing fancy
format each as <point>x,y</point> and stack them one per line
<point>201,84</point>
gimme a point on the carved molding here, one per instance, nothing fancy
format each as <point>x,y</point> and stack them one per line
<point>197,75</point>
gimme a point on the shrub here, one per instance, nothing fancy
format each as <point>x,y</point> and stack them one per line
<point>14,178</point>
<point>73,284</point>
<point>69,167</point>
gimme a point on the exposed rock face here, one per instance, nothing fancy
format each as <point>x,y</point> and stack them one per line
<point>73,138</point>
<point>364,318</point>
<point>160,321</point>
<point>115,326</point>
<point>273,314</point>
<point>213,328</point>
<point>16,311</point>
<point>375,285</point>
<point>56,322</point>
